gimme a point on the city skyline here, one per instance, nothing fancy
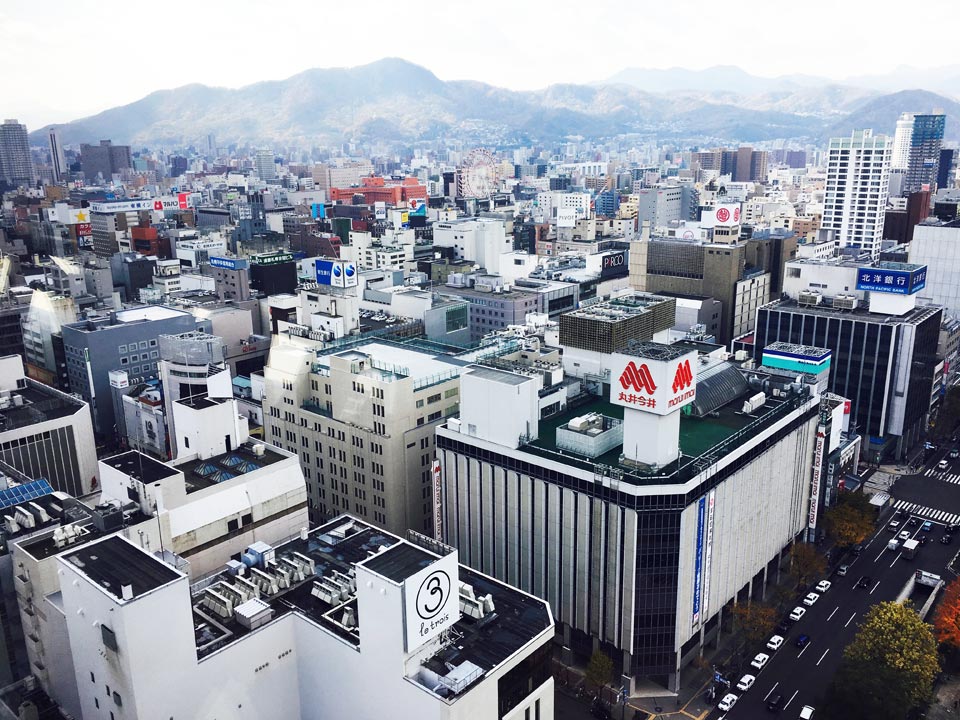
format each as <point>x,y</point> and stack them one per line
<point>515,47</point>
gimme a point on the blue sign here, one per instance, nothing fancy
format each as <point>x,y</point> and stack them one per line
<point>318,210</point>
<point>325,271</point>
<point>228,263</point>
<point>698,561</point>
<point>892,281</point>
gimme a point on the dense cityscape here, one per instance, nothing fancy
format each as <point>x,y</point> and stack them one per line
<point>365,394</point>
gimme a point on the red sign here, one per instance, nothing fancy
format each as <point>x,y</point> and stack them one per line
<point>846,407</point>
<point>182,200</point>
<point>683,377</point>
<point>736,214</point>
<point>639,379</point>
<point>84,229</point>
<point>723,214</point>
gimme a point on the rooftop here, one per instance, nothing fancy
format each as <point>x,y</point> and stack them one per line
<point>619,309</point>
<point>139,466</point>
<point>398,359</point>
<point>322,587</point>
<point>38,403</point>
<point>113,563</point>
<point>202,473</point>
<point>861,312</point>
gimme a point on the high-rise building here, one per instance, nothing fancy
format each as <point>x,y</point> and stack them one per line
<point>265,166</point>
<point>947,168</point>
<point>16,166</point>
<point>57,159</point>
<point>105,160</point>
<point>858,173</point>
<point>901,142</point>
<point>924,158</point>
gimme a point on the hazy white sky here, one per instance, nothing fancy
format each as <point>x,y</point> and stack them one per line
<point>65,59</point>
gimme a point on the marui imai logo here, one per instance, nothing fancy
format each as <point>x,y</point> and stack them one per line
<point>683,378</point>
<point>638,379</point>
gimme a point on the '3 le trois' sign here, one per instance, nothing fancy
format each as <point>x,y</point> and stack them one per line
<point>654,386</point>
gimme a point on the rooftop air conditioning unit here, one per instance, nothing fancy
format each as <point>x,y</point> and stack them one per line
<point>845,302</point>
<point>809,297</point>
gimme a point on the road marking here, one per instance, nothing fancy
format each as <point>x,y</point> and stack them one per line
<point>875,587</point>
<point>771,691</point>
<point>804,649</point>
<point>850,620</point>
<point>880,555</point>
<point>791,699</point>
<point>834,612</point>
<point>891,565</point>
<point>822,657</point>
<point>944,516</point>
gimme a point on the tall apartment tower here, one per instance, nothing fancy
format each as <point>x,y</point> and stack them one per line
<point>858,175</point>
<point>57,159</point>
<point>16,167</point>
<point>263,162</point>
<point>924,155</point>
<point>901,142</point>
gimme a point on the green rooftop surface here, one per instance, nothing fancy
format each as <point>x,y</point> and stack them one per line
<point>697,435</point>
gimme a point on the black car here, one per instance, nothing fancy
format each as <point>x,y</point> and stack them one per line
<point>946,539</point>
<point>952,528</point>
<point>864,582</point>
<point>802,641</point>
<point>913,522</point>
<point>775,702</point>
<point>784,627</point>
<point>923,539</point>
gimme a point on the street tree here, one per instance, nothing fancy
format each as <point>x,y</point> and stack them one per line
<point>753,622</point>
<point>887,669</point>
<point>850,521</point>
<point>599,669</point>
<point>949,415</point>
<point>946,621</point>
<point>806,563</point>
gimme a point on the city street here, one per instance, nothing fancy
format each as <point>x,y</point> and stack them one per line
<point>802,676</point>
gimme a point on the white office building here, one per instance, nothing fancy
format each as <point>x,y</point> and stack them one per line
<point>858,174</point>
<point>346,621</point>
<point>937,245</point>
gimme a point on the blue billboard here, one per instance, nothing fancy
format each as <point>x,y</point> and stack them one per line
<point>229,263</point>
<point>698,560</point>
<point>900,280</point>
<point>324,271</point>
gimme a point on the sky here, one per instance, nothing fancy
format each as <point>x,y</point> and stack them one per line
<point>66,59</point>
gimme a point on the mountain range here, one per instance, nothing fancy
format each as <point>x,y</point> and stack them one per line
<point>394,101</point>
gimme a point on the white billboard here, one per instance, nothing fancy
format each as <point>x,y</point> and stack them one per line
<point>727,214</point>
<point>566,217</point>
<point>431,601</point>
<point>380,211</point>
<point>654,386</point>
<point>344,274</point>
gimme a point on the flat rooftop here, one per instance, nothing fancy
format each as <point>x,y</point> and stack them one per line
<point>397,359</point>
<point>140,466</point>
<point>207,472</point>
<point>701,439</point>
<point>861,312</point>
<point>114,562</point>
<point>335,548</point>
<point>39,403</point>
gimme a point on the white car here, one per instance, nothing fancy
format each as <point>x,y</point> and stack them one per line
<point>775,642</point>
<point>823,586</point>
<point>810,599</point>
<point>729,700</point>
<point>760,660</point>
<point>905,535</point>
<point>806,712</point>
<point>797,613</point>
<point>746,682</point>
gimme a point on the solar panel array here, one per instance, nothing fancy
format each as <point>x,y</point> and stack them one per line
<point>21,493</point>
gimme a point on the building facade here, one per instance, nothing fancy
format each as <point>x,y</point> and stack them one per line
<point>16,165</point>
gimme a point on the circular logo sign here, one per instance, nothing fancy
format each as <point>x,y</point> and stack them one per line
<point>736,214</point>
<point>723,215</point>
<point>433,594</point>
<point>337,272</point>
<point>351,270</point>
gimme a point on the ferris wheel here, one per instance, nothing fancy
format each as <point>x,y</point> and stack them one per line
<point>479,174</point>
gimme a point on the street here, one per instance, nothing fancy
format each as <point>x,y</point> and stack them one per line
<point>802,676</point>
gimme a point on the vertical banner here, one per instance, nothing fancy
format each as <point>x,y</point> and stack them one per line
<point>437,502</point>
<point>698,560</point>
<point>708,556</point>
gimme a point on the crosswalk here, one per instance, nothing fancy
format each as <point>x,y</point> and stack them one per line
<point>927,512</point>
<point>942,475</point>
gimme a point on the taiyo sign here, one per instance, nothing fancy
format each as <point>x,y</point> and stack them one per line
<point>655,386</point>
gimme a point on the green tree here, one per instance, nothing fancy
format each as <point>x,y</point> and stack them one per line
<point>850,521</point>
<point>599,669</point>
<point>806,563</point>
<point>887,669</point>
<point>949,414</point>
<point>753,622</point>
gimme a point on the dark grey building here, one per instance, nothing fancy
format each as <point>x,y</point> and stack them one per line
<point>104,159</point>
<point>126,340</point>
<point>131,271</point>
<point>884,364</point>
<point>16,166</point>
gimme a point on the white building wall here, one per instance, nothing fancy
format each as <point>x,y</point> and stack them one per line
<point>938,248</point>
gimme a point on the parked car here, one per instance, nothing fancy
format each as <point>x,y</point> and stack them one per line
<point>946,540</point>
<point>775,702</point>
<point>760,660</point>
<point>913,522</point>
<point>927,526</point>
<point>923,539</point>
<point>797,613</point>
<point>952,528</point>
<point>893,526</point>
<point>729,700</point>
<point>810,599</point>
<point>842,570</point>
<point>806,712</point>
<point>864,582</point>
<point>905,535</point>
<point>802,641</point>
<point>775,642</point>
<point>746,682</point>
<point>823,586</point>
